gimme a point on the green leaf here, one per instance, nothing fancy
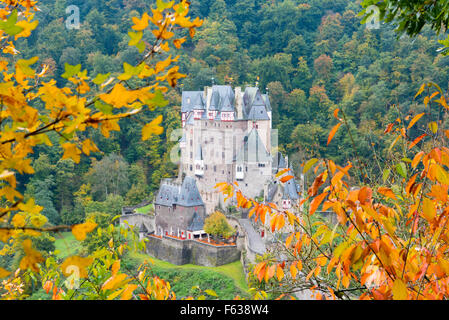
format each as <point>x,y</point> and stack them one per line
<point>103,107</point>
<point>101,78</point>
<point>70,71</point>
<point>9,26</point>
<point>161,5</point>
<point>385,174</point>
<point>401,169</point>
<point>157,101</point>
<point>130,71</point>
<point>25,65</point>
<point>135,37</point>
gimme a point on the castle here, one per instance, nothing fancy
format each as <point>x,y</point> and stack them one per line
<point>227,136</point>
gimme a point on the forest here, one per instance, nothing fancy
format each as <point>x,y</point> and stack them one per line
<point>313,57</point>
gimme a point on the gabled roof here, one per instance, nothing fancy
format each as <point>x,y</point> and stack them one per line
<point>167,194</point>
<point>280,162</point>
<point>186,194</point>
<point>197,223</point>
<point>253,149</point>
<point>190,99</point>
<point>222,98</point>
<point>189,195</point>
<point>266,98</point>
<point>254,105</point>
<point>291,189</point>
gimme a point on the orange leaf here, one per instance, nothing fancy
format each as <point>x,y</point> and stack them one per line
<point>417,140</point>
<point>415,119</point>
<point>365,195</point>
<point>387,192</point>
<point>316,202</point>
<point>286,178</point>
<point>333,132</point>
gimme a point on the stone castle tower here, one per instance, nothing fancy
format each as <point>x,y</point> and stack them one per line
<point>227,137</point>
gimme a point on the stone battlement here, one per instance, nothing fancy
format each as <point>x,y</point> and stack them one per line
<point>183,251</point>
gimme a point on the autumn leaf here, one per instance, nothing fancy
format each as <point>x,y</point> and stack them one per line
<point>4,273</point>
<point>399,290</point>
<point>31,258</point>
<point>141,24</point>
<point>78,262</point>
<point>415,119</point>
<point>128,292</point>
<point>71,152</point>
<point>333,132</point>
<point>365,195</point>
<point>387,192</point>
<point>316,202</point>
<point>152,128</point>
<point>80,230</point>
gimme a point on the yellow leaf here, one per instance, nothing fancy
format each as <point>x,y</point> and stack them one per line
<point>80,230</point>
<point>152,128</point>
<point>128,292</point>
<point>415,119</point>
<point>79,262</point>
<point>140,24</point>
<point>114,282</point>
<point>399,290</point>
<point>31,258</point>
<point>71,152</point>
<point>115,267</point>
<point>293,271</point>
<point>88,146</point>
<point>4,273</point>
<point>429,211</point>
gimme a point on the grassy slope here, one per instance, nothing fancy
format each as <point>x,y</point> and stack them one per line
<point>233,270</point>
<point>67,245</point>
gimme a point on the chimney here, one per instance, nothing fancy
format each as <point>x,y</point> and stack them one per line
<point>208,94</point>
<point>238,102</point>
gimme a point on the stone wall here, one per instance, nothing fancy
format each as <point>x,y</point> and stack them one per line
<point>137,219</point>
<point>181,252</point>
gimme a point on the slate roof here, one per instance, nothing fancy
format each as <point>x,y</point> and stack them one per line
<point>197,223</point>
<point>291,189</point>
<point>167,194</point>
<point>253,149</point>
<point>254,105</point>
<point>189,195</point>
<point>192,100</point>
<point>222,98</point>
<point>280,162</point>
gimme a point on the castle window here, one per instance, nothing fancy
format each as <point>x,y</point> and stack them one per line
<point>191,168</point>
<point>215,168</point>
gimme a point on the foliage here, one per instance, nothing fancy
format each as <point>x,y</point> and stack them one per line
<point>39,112</point>
<point>389,239</point>
<point>217,225</point>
